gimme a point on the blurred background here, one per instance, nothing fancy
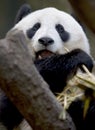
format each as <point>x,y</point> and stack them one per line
<point>9,8</point>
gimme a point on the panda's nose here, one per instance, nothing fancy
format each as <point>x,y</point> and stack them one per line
<point>46,41</point>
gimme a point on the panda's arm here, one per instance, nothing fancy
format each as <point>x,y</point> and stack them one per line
<point>58,68</point>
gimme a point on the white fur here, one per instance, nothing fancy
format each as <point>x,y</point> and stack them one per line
<point>48,18</point>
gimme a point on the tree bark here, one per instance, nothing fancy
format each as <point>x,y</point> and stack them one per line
<point>85,9</point>
<point>22,83</point>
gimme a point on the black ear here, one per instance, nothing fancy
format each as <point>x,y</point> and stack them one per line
<point>23,11</point>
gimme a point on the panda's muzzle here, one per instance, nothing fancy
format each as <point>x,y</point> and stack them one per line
<point>45,42</point>
<point>43,54</point>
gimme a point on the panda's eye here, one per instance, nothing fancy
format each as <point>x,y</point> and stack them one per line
<point>62,33</point>
<point>33,30</point>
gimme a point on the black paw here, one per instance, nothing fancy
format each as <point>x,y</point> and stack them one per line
<point>82,58</point>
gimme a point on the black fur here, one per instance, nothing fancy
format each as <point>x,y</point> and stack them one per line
<point>23,11</point>
<point>56,70</point>
<point>31,31</point>
<point>9,115</point>
<point>76,112</point>
<point>62,32</point>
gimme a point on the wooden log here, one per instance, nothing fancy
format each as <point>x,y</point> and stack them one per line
<point>22,83</point>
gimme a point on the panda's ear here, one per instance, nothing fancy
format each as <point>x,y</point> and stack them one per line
<point>23,11</point>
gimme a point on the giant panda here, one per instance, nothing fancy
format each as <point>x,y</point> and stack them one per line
<point>48,32</point>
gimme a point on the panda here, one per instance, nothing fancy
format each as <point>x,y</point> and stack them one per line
<point>48,32</point>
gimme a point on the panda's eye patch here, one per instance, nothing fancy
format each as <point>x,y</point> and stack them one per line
<point>62,33</point>
<point>33,30</point>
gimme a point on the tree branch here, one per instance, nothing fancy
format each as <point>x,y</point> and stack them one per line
<point>25,87</point>
<point>86,11</point>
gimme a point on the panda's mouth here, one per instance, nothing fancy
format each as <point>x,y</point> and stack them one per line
<point>43,54</point>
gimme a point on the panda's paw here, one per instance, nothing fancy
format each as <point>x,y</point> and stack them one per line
<point>82,58</point>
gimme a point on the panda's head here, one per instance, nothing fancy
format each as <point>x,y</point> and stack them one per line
<point>49,30</point>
